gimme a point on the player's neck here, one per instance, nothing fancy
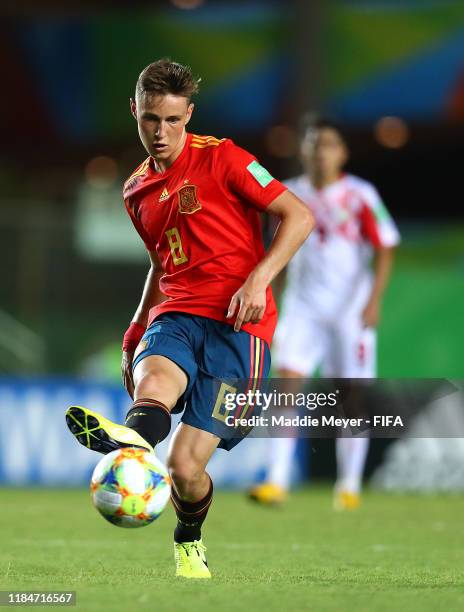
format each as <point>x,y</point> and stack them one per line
<point>163,164</point>
<point>319,181</point>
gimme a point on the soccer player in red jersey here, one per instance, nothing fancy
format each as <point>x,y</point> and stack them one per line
<point>207,312</point>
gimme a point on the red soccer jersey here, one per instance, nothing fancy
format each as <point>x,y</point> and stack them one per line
<point>201,216</point>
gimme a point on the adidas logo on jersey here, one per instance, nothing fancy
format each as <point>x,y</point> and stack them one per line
<point>164,195</point>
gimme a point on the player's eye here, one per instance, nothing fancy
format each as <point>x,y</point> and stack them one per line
<point>150,119</point>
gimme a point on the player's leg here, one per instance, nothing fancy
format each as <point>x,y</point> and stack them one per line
<point>192,494</point>
<point>351,456</point>
<point>356,347</point>
<point>161,364</point>
<point>299,347</point>
<point>280,454</point>
<point>158,384</point>
<point>227,358</point>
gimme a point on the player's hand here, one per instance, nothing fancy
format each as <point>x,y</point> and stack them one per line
<point>250,300</point>
<point>126,372</point>
<point>130,342</point>
<point>371,313</point>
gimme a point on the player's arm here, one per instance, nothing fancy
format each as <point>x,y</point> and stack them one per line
<point>378,228</point>
<point>151,296</point>
<point>383,263</point>
<point>296,223</point>
<point>280,281</point>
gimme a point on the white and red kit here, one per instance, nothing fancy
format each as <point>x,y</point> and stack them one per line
<point>330,279</point>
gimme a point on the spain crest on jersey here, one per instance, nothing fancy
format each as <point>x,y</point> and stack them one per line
<point>188,201</point>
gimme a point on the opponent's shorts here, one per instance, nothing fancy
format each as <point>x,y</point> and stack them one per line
<point>211,354</point>
<point>340,346</point>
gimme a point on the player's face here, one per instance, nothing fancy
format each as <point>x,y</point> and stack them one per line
<point>324,152</point>
<point>161,122</point>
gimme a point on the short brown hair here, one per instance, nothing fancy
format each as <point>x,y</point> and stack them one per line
<point>167,77</point>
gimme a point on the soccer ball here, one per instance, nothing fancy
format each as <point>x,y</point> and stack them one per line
<point>130,487</point>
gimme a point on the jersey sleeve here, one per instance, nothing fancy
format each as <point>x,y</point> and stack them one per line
<point>377,225</point>
<point>239,173</point>
<point>150,245</point>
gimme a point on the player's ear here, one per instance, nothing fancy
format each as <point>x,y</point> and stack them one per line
<point>133,108</point>
<point>190,108</point>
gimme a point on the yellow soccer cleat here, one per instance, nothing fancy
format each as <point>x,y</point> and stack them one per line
<point>190,560</point>
<point>345,500</point>
<point>99,434</point>
<point>268,494</point>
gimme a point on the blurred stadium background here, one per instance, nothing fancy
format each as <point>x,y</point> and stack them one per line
<point>73,268</point>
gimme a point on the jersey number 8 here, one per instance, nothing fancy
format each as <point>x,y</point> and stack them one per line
<point>175,243</point>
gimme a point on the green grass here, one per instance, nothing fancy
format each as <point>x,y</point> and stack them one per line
<point>395,553</point>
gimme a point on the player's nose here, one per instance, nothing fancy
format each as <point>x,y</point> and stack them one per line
<point>160,131</point>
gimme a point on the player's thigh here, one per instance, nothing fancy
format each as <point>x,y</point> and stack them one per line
<point>356,348</point>
<point>159,377</point>
<point>301,343</point>
<point>164,365</point>
<point>190,450</point>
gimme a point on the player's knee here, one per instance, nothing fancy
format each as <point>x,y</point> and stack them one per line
<point>147,381</point>
<point>185,472</point>
<point>155,385</point>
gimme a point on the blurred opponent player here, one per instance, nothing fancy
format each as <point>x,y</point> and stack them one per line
<point>195,202</point>
<point>333,299</point>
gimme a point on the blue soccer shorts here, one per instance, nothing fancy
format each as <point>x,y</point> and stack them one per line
<point>212,355</point>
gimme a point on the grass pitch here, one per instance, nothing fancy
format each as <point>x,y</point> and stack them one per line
<point>395,553</point>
